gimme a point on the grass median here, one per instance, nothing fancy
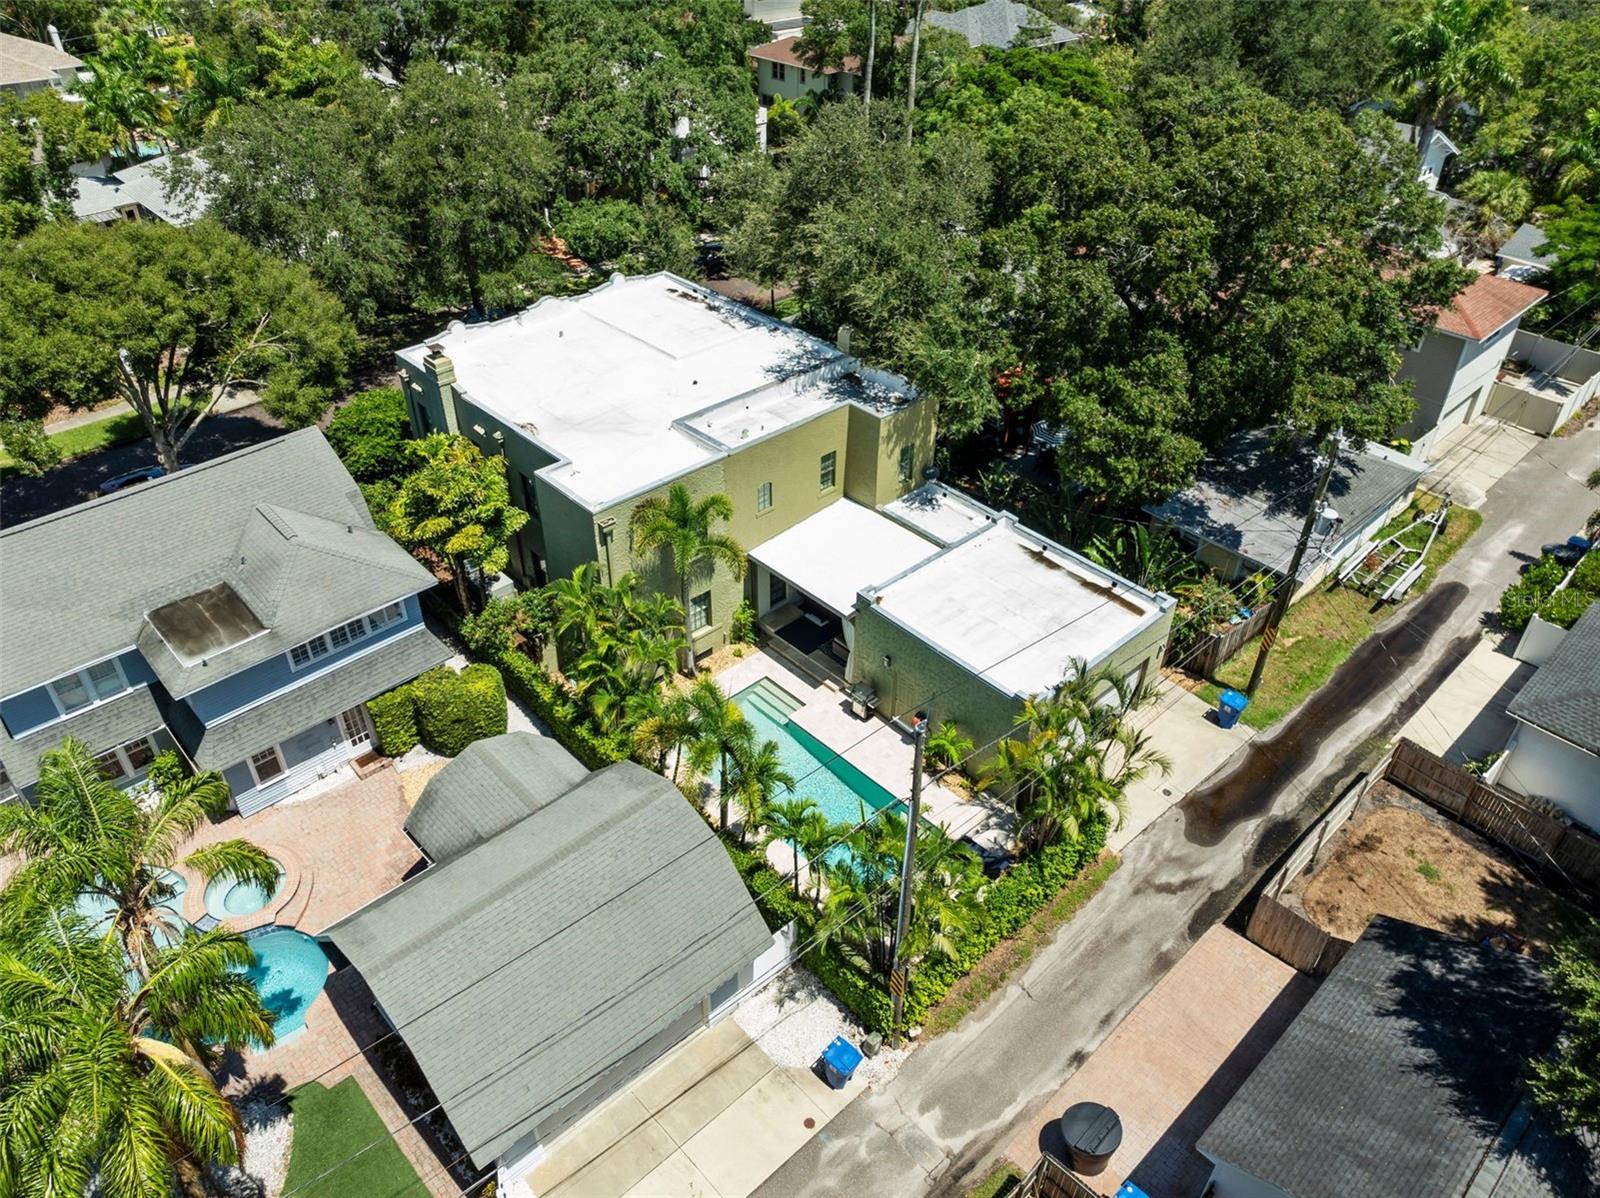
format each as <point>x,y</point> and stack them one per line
<point>120,428</point>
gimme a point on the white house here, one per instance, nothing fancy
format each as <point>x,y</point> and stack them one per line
<point>27,66</point>
<point>782,72</point>
<point>1431,157</point>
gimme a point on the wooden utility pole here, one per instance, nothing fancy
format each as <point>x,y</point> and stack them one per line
<point>897,976</point>
<point>1286,589</point>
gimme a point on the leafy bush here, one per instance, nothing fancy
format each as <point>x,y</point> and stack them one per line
<point>1518,602</point>
<point>1565,606</point>
<point>453,710</point>
<point>744,623</point>
<point>370,433</point>
<point>493,632</point>
<point>1587,576</point>
<point>394,721</point>
<point>553,704</point>
<point>602,230</point>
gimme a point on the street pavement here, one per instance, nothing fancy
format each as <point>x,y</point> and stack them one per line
<point>948,1115</point>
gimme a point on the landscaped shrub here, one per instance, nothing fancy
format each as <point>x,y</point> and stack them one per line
<point>453,710</point>
<point>1521,599</point>
<point>394,721</point>
<point>1587,576</point>
<point>1565,606</point>
<point>548,700</point>
<point>744,623</point>
<point>369,434</point>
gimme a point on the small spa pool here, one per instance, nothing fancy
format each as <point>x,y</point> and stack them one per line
<point>289,973</point>
<point>229,899</point>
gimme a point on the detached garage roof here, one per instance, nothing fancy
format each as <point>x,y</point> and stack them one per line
<point>842,550</point>
<point>521,968</point>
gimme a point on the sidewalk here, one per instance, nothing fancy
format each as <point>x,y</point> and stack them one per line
<point>1465,718</point>
<point>232,402</point>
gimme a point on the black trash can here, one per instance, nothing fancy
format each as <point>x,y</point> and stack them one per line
<point>1092,1132</point>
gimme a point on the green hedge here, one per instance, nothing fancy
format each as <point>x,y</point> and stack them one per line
<point>370,434</point>
<point>548,700</point>
<point>394,721</point>
<point>1565,606</point>
<point>453,710</point>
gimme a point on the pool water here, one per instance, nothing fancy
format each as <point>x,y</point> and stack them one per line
<point>226,898</point>
<point>843,793</point>
<point>289,973</point>
<point>98,909</point>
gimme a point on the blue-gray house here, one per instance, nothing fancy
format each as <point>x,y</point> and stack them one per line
<point>242,611</point>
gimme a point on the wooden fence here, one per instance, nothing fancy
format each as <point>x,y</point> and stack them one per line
<point>1551,845</point>
<point>1049,1178</point>
<point>1207,655</point>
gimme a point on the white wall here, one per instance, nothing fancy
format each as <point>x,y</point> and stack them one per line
<point>1538,764</point>
<point>1229,1182</point>
<point>1538,641</point>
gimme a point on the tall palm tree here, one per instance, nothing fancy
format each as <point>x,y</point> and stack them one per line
<point>756,779</point>
<point>117,103</point>
<point>1449,56</point>
<point>82,837</point>
<point>684,526</point>
<point>109,1081</point>
<point>720,731</point>
<point>665,731</point>
<point>800,824</point>
<point>1076,755</point>
<point>1578,156</point>
<point>215,90</point>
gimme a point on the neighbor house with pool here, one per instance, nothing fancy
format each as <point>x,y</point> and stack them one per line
<point>240,611</point>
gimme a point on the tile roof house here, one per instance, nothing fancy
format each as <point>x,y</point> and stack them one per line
<point>241,610</point>
<point>1554,750</point>
<point>998,23</point>
<point>1245,510</point>
<point>571,928</point>
<point>1403,1075</point>
<point>780,71</point>
<point>27,66</point>
<point>1453,366</point>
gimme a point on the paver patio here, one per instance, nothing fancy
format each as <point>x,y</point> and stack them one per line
<point>1174,1063</point>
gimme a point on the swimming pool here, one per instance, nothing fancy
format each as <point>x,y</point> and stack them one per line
<point>226,898</point>
<point>98,910</point>
<point>843,793</point>
<point>289,973</point>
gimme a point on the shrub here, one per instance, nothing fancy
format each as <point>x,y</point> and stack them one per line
<point>394,721</point>
<point>1565,606</point>
<point>453,710</point>
<point>1518,602</point>
<point>1587,576</point>
<point>602,230</point>
<point>553,704</point>
<point>744,623</point>
<point>370,433</point>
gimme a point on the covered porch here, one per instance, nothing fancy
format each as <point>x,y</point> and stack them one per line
<point>806,580</point>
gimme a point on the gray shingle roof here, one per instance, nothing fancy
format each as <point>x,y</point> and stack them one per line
<point>1400,1076</point>
<point>997,22</point>
<point>530,962</point>
<point>101,727</point>
<point>23,60</point>
<point>1251,498</point>
<point>1563,696</point>
<point>493,784</point>
<point>145,184</point>
<point>75,585</point>
<point>347,682</point>
<point>1526,246</point>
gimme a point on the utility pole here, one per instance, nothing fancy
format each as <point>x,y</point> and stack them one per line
<point>897,974</point>
<point>872,48</point>
<point>1280,605</point>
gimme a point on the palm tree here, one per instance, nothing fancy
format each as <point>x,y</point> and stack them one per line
<point>1578,156</point>
<point>82,837</point>
<point>947,886</point>
<point>109,1081</point>
<point>947,746</point>
<point>665,731</point>
<point>755,779</point>
<point>720,731</point>
<point>683,526</point>
<point>117,103</point>
<point>216,89</point>
<point>1077,757</point>
<point>1501,199</point>
<point>793,821</point>
<point>1449,56</point>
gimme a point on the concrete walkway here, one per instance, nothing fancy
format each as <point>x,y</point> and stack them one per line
<point>1465,719</point>
<point>1469,462</point>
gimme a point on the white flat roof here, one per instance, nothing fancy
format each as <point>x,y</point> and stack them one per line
<point>644,379</point>
<point>843,549</point>
<point>1015,608</point>
<point>941,513</point>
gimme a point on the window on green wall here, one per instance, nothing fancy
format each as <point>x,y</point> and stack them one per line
<point>700,611</point>
<point>905,463</point>
<point>825,476</point>
<point>764,497</point>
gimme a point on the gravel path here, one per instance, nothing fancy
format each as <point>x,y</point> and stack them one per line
<point>793,1018</point>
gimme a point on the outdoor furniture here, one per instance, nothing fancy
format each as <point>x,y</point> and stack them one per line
<point>838,1062</point>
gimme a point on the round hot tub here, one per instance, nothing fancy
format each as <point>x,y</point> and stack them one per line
<point>228,898</point>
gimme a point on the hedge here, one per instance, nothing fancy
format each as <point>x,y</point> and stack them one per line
<point>453,710</point>
<point>370,433</point>
<point>551,703</point>
<point>1565,606</point>
<point>394,721</point>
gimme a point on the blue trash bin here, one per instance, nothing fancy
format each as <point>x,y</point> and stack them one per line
<point>1229,707</point>
<point>1129,1190</point>
<point>839,1061</point>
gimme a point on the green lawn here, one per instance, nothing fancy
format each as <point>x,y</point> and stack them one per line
<point>120,428</point>
<point>330,1127</point>
<point>998,1184</point>
<point>1325,627</point>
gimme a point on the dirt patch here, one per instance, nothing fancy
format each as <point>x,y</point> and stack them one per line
<point>1397,862</point>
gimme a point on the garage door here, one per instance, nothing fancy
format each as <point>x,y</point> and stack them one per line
<point>620,1074</point>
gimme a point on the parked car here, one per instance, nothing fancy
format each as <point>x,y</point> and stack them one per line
<point>132,478</point>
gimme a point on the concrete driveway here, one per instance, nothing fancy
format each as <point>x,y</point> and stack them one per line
<point>713,1119</point>
<point>1469,462</point>
<point>1465,719</point>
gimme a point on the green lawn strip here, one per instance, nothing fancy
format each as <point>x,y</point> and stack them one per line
<point>1003,1181</point>
<point>991,973</point>
<point>1325,627</point>
<point>330,1127</point>
<point>121,428</point>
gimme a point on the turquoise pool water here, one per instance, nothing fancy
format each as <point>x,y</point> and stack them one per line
<point>226,898</point>
<point>289,972</point>
<point>844,793</point>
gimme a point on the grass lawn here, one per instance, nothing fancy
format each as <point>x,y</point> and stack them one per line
<point>331,1126</point>
<point>991,973</point>
<point>1005,1178</point>
<point>120,428</point>
<point>1325,627</point>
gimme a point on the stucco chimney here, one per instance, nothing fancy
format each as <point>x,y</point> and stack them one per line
<point>443,373</point>
<point>55,38</point>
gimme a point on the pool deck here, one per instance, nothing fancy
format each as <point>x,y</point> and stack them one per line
<point>879,749</point>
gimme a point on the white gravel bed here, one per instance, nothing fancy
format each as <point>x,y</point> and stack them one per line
<point>268,1133</point>
<point>793,1018</point>
<point>417,757</point>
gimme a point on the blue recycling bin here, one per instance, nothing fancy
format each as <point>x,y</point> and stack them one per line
<point>1230,707</point>
<point>839,1061</point>
<point>1129,1190</point>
